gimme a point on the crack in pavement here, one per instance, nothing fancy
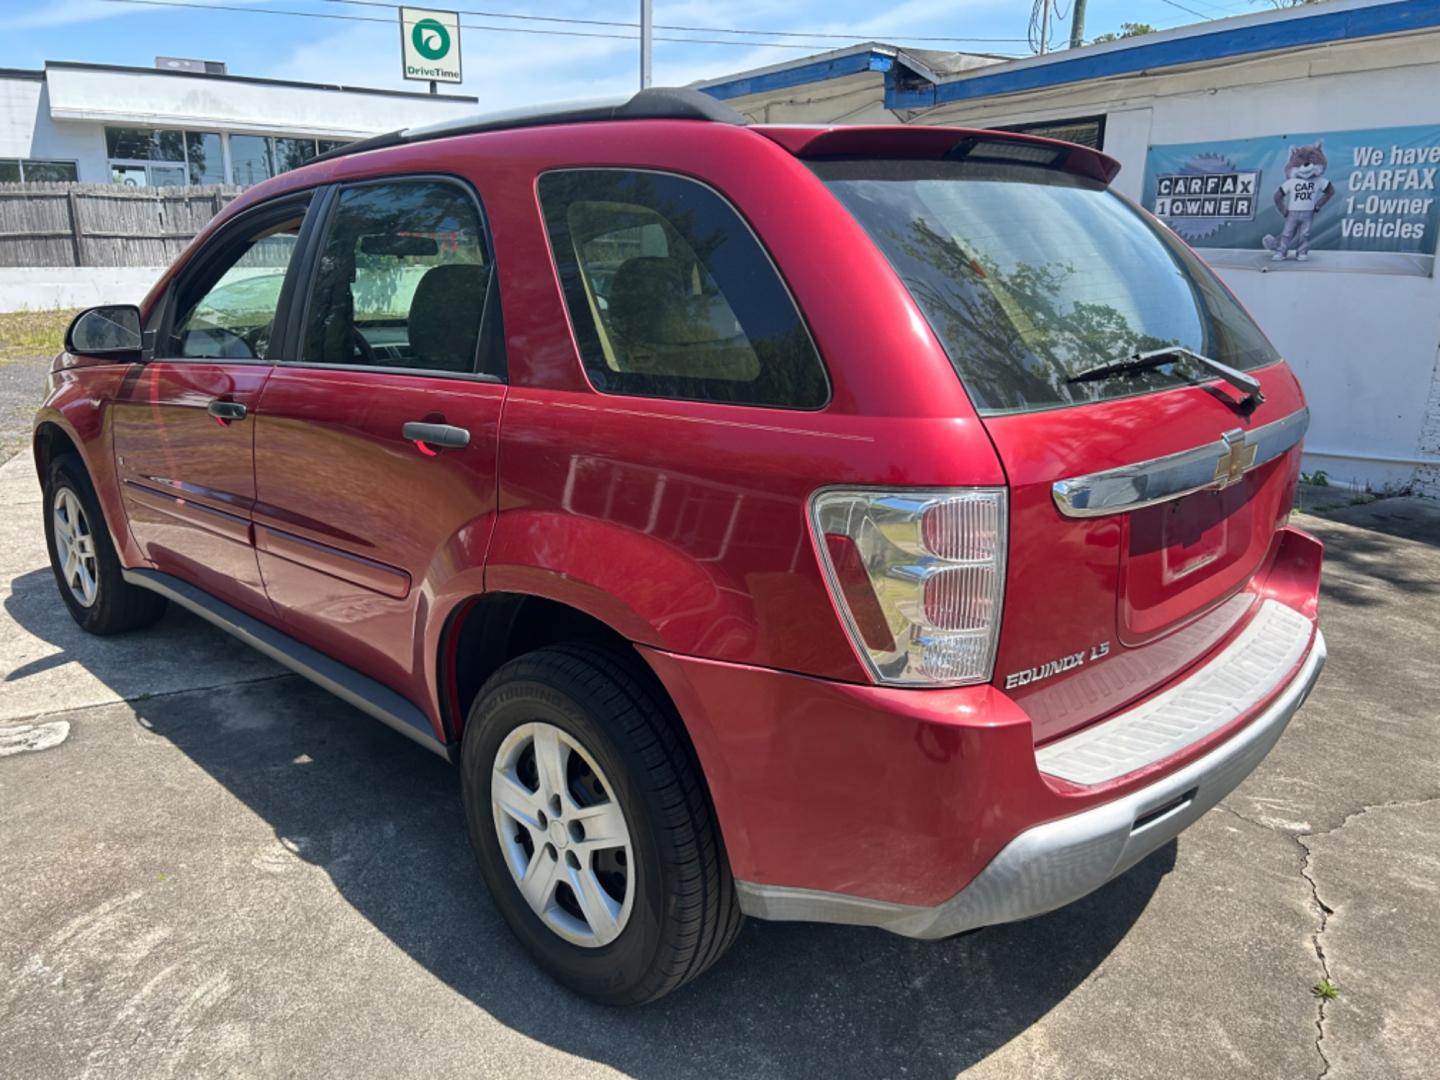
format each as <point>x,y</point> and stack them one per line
<point>1322,910</point>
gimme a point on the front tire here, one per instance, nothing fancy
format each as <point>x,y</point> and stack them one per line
<point>87,570</point>
<point>592,826</point>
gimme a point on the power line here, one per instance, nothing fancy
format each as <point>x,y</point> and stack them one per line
<point>687,29</point>
<point>528,29</point>
<point>469,26</point>
<point>1192,11</point>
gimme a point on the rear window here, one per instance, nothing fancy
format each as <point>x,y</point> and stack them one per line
<point>1030,275</point>
<point>671,295</point>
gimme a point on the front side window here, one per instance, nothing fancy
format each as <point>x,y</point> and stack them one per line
<point>226,309</point>
<point>1029,276</point>
<point>402,279</point>
<point>671,295</point>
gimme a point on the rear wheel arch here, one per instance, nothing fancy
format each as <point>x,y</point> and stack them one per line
<point>486,631</point>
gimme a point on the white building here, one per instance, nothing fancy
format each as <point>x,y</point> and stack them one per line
<point>1360,319</point>
<point>186,122</point>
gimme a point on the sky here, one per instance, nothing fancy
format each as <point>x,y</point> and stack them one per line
<point>505,68</point>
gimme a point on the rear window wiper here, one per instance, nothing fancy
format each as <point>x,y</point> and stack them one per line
<point>1145,361</point>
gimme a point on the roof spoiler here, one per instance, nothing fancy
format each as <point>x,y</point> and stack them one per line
<point>924,141</point>
<point>652,103</point>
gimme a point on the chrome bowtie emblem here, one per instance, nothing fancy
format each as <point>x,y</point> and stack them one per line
<point>1238,457</point>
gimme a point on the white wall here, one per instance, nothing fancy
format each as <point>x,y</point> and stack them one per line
<point>41,288</point>
<point>161,99</point>
<point>27,131</point>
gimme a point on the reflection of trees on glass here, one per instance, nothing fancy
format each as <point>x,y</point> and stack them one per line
<point>670,294</point>
<point>292,153</point>
<point>206,159</point>
<point>1020,338</point>
<point>1029,276</point>
<point>383,241</point>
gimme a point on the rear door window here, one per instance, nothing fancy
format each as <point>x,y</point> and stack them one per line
<point>671,295</point>
<point>1029,275</point>
<point>402,281</point>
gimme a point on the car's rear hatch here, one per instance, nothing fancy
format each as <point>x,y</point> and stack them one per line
<point>1143,502</point>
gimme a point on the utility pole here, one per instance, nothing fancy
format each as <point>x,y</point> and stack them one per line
<point>645,19</point>
<point>1077,25</point>
<point>1044,26</point>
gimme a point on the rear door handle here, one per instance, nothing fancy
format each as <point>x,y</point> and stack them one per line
<point>226,410</point>
<point>446,435</point>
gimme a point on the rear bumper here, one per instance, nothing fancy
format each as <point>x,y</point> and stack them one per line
<point>1052,864</point>
<point>932,811</point>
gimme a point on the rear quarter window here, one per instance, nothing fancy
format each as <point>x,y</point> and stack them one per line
<point>671,295</point>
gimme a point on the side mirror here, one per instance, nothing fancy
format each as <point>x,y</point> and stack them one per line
<point>105,331</point>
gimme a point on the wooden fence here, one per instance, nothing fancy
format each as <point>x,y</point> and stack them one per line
<point>103,224</point>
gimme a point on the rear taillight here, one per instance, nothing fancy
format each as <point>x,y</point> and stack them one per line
<point>918,576</point>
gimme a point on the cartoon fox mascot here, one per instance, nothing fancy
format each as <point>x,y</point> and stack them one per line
<point>1300,198</point>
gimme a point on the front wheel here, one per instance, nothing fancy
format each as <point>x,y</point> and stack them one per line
<point>87,570</point>
<point>592,826</point>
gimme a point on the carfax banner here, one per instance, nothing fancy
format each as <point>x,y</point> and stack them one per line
<point>1365,201</point>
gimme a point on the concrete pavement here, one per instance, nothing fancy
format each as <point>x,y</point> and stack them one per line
<point>210,868</point>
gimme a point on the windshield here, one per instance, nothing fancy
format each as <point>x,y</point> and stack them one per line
<point>1029,275</point>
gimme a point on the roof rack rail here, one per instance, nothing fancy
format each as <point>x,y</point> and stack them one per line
<point>652,103</point>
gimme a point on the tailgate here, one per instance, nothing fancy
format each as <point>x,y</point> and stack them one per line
<point>1121,574</point>
<point>1149,432</point>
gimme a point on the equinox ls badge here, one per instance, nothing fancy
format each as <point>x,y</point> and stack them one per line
<point>1055,667</point>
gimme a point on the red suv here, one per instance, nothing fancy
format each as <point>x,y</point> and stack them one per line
<point>871,525</point>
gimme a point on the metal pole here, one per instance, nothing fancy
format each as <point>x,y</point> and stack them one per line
<point>1044,27</point>
<point>1077,25</point>
<point>645,19</point>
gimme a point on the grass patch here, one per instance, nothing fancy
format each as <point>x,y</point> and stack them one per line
<point>1325,990</point>
<point>28,334</point>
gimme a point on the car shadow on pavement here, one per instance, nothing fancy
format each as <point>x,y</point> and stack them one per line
<point>382,818</point>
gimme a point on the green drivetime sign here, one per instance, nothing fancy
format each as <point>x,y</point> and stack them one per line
<point>430,45</point>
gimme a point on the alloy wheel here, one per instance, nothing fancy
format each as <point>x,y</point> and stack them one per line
<point>75,548</point>
<point>563,834</point>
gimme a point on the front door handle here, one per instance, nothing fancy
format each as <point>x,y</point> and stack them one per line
<point>226,410</point>
<point>446,435</point>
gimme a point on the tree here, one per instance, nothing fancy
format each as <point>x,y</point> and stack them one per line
<point>1127,30</point>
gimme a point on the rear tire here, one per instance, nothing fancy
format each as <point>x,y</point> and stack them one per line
<point>87,570</point>
<point>669,889</point>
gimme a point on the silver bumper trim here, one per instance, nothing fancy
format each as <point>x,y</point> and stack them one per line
<point>1053,864</point>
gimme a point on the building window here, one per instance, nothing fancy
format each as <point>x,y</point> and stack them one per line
<point>205,157</point>
<point>151,157</point>
<point>34,171</point>
<point>142,157</point>
<point>1085,130</point>
<point>250,160</point>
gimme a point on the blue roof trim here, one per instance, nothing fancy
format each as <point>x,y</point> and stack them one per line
<point>803,73</point>
<point>1315,29</point>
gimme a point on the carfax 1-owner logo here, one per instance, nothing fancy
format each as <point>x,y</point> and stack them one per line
<point>1343,200</point>
<point>430,45</point>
